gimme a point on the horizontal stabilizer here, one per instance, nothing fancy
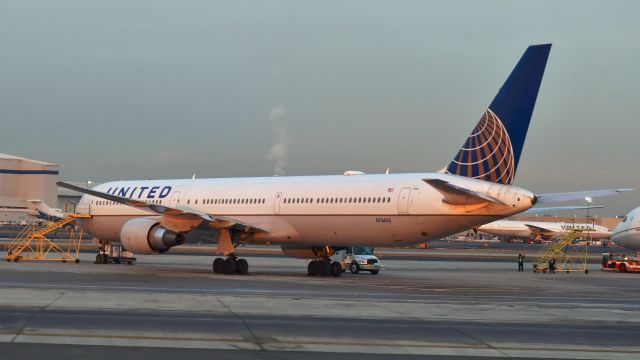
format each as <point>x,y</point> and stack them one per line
<point>577,195</point>
<point>559,208</point>
<point>456,195</point>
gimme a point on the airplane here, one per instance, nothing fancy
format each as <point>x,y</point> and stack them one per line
<point>310,217</point>
<point>44,211</point>
<point>543,230</point>
<point>627,232</point>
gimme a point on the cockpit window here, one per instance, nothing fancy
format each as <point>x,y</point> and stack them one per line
<point>624,219</point>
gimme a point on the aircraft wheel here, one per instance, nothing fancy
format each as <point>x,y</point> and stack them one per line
<point>99,259</point>
<point>324,268</point>
<point>354,268</point>
<point>312,268</point>
<point>375,272</point>
<point>229,266</point>
<point>242,266</point>
<point>217,265</point>
<point>336,269</point>
<point>77,261</point>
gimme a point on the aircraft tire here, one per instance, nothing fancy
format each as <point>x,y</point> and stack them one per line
<point>99,259</point>
<point>242,266</point>
<point>312,268</point>
<point>217,265</point>
<point>229,266</point>
<point>324,268</point>
<point>336,269</point>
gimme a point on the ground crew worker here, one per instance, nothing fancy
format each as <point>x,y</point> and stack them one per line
<point>520,262</point>
<point>552,266</point>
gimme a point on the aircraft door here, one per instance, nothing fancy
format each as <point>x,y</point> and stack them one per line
<point>403,201</point>
<point>276,203</point>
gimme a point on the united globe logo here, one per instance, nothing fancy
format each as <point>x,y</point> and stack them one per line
<point>487,154</point>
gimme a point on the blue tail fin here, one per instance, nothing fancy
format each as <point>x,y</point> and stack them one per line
<point>493,149</point>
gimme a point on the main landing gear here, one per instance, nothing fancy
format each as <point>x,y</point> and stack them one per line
<point>324,267</point>
<point>230,265</point>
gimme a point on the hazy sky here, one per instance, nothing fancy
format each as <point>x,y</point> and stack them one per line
<point>162,89</point>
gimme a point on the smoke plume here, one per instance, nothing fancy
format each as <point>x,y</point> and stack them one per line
<point>278,151</point>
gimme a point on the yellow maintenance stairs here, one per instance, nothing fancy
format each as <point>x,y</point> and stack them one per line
<point>33,244</point>
<point>564,260</point>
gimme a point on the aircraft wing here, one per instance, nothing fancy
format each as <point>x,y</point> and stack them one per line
<point>577,195</point>
<point>172,214</point>
<point>537,230</point>
<point>559,208</point>
<point>456,195</point>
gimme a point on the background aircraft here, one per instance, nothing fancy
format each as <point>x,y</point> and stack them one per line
<point>627,232</point>
<point>542,230</point>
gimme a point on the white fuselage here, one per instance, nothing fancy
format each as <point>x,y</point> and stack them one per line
<point>627,233</point>
<point>523,229</point>
<point>374,210</point>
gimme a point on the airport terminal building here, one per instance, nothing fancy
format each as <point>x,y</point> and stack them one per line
<point>24,179</point>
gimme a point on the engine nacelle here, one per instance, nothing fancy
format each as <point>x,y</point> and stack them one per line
<point>146,236</point>
<point>308,252</point>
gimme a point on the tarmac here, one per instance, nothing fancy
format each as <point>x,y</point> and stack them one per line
<point>170,306</point>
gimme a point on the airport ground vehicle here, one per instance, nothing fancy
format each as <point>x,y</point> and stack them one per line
<point>114,253</point>
<point>358,258</point>
<point>619,262</point>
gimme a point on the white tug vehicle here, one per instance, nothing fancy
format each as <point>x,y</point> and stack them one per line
<point>358,258</point>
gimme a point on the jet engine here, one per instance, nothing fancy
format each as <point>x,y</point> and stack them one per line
<point>308,252</point>
<point>146,236</point>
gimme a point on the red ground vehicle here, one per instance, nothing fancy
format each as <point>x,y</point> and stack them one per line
<point>619,262</point>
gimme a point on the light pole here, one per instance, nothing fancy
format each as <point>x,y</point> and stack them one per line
<point>586,247</point>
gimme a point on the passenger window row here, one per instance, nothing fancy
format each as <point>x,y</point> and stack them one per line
<point>113,203</point>
<point>250,201</point>
<point>338,200</point>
